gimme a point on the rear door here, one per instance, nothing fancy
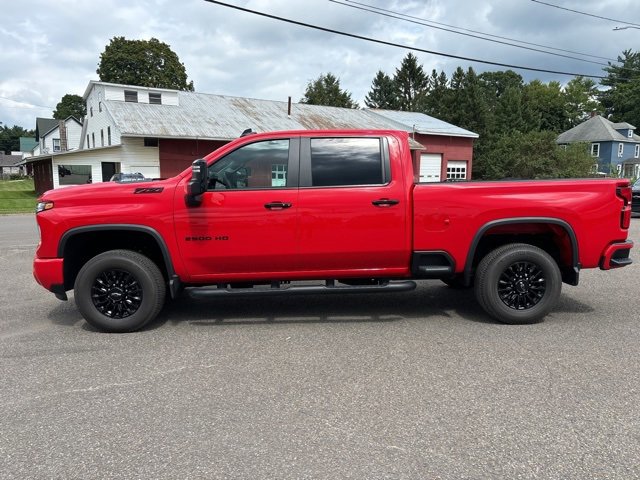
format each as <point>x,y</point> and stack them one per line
<point>352,207</point>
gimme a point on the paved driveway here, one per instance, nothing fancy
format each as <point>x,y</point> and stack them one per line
<point>414,385</point>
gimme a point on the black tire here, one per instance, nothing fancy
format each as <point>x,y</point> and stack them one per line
<point>518,283</point>
<point>119,291</point>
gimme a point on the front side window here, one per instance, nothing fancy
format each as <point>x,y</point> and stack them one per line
<point>56,144</point>
<point>257,165</point>
<point>595,149</point>
<point>346,161</point>
<point>620,149</point>
<point>636,152</point>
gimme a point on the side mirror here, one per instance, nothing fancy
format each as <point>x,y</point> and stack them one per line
<point>198,183</point>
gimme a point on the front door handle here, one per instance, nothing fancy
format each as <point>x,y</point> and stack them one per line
<point>385,202</point>
<point>277,205</point>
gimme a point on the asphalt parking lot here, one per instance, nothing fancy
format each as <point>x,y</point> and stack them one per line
<point>414,385</point>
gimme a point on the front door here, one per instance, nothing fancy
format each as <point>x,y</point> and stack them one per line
<point>246,225</point>
<point>352,208</point>
<point>109,169</point>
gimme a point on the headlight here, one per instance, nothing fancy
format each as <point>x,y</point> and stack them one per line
<point>42,206</point>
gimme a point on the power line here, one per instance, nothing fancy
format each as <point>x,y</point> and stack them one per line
<point>585,13</point>
<point>406,47</point>
<point>399,16</point>
<point>25,104</point>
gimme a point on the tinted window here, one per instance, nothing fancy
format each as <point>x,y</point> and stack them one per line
<point>345,161</point>
<point>257,165</point>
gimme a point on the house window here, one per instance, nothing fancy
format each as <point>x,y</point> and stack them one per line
<point>109,135</point>
<point>636,152</point>
<point>155,98</point>
<point>150,142</point>
<point>101,137</point>
<point>93,138</point>
<point>456,170</point>
<point>131,96</point>
<point>630,133</point>
<point>56,144</point>
<point>279,175</point>
<point>74,174</point>
<point>595,149</point>
<point>620,149</point>
<point>88,144</point>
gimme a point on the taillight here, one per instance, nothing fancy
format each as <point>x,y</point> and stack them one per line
<point>625,194</point>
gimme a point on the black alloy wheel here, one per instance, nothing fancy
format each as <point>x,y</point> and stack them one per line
<point>119,291</point>
<point>518,283</point>
<point>116,293</point>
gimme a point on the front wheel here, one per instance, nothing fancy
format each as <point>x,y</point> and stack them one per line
<point>119,291</point>
<point>518,283</point>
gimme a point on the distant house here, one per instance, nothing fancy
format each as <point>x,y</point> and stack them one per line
<point>10,165</point>
<point>614,146</point>
<point>159,132</point>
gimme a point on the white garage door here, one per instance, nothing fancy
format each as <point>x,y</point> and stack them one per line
<point>430,165</point>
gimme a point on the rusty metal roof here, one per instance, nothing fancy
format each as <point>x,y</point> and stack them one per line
<point>219,117</point>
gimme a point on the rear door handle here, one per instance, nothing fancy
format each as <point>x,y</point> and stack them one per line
<point>385,202</point>
<point>277,205</point>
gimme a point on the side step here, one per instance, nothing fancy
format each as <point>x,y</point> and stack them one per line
<point>277,289</point>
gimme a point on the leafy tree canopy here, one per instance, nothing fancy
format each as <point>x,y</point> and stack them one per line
<point>70,105</point>
<point>10,138</point>
<point>325,90</point>
<point>148,63</point>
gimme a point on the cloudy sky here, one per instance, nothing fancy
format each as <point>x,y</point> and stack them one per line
<point>50,48</point>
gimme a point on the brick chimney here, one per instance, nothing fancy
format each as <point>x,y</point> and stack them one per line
<point>63,135</point>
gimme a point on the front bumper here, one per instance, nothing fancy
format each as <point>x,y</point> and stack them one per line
<point>49,272</point>
<point>616,255</point>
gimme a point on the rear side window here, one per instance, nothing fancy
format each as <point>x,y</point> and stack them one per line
<point>346,161</point>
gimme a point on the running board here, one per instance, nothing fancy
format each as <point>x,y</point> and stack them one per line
<point>277,289</point>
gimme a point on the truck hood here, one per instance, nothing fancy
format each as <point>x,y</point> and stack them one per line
<point>78,193</point>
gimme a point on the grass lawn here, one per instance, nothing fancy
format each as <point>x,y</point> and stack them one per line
<point>17,196</point>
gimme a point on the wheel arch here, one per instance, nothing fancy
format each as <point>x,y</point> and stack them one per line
<point>79,244</point>
<point>512,228</point>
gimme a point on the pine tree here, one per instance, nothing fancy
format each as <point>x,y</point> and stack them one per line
<point>411,84</point>
<point>325,90</point>
<point>382,93</point>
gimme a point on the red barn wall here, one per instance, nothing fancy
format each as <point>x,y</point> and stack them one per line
<point>451,148</point>
<point>176,155</point>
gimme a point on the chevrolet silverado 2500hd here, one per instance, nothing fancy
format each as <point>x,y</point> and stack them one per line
<point>339,207</point>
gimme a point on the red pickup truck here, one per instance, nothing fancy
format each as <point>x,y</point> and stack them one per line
<point>266,211</point>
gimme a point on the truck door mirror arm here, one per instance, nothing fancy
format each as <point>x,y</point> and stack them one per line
<point>198,183</point>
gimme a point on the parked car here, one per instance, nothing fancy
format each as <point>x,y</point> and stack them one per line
<point>127,177</point>
<point>635,202</point>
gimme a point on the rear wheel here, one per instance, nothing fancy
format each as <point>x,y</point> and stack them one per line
<point>518,283</point>
<point>119,291</point>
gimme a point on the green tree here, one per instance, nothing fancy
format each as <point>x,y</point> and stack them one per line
<point>325,90</point>
<point>534,155</point>
<point>621,100</point>
<point>70,105</point>
<point>382,93</point>
<point>581,98</point>
<point>10,138</point>
<point>546,104</point>
<point>436,101</point>
<point>411,84</point>
<point>148,63</point>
